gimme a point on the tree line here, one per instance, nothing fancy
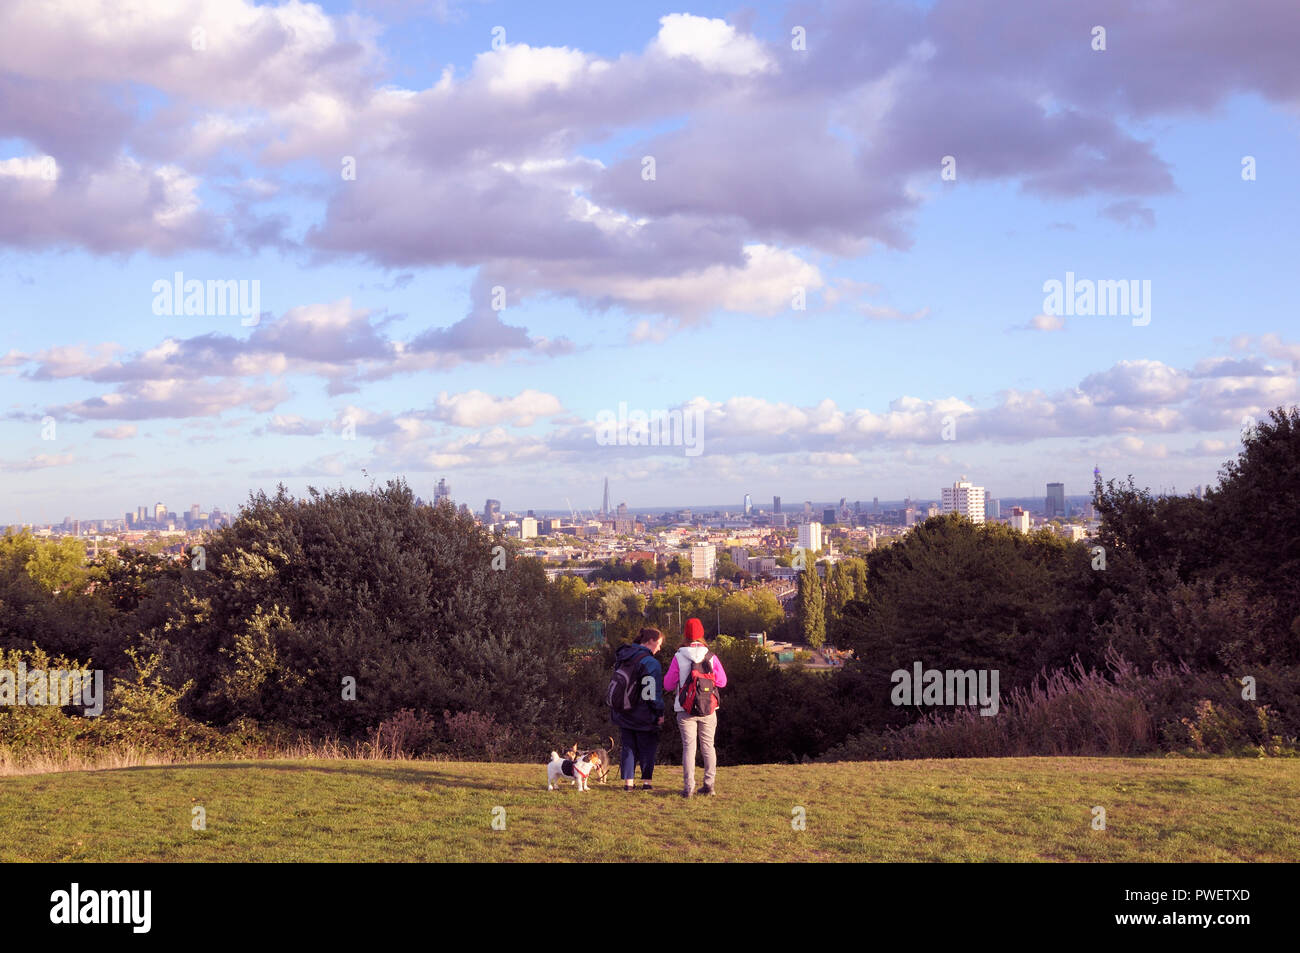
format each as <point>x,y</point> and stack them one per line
<point>358,613</point>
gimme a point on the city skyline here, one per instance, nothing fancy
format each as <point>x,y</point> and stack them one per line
<point>817,246</point>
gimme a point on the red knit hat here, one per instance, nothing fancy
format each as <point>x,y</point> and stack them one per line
<point>694,630</point>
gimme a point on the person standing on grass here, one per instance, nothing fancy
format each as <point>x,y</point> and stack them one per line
<point>640,724</point>
<point>694,675</point>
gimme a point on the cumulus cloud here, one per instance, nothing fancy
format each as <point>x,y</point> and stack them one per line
<point>477,409</point>
<point>757,145</point>
<point>713,44</point>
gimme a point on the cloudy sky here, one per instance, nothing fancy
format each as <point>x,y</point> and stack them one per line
<point>474,226</point>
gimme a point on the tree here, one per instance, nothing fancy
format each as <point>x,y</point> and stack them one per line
<point>811,607</point>
<point>839,591</point>
<point>413,603</point>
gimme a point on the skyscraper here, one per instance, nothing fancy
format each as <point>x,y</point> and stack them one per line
<point>776,504</point>
<point>1055,500</point>
<point>441,492</point>
<point>604,506</point>
<point>810,537</point>
<point>749,504</point>
<point>965,498</point>
<point>704,561</point>
<point>492,511</point>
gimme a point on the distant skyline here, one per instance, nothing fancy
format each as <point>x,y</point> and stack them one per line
<point>847,239</point>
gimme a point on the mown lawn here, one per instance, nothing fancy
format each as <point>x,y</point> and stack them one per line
<point>1021,809</point>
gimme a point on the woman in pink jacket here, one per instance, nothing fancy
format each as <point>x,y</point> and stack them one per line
<point>693,676</point>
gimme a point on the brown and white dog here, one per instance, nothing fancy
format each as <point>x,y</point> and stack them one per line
<point>569,769</point>
<point>600,756</point>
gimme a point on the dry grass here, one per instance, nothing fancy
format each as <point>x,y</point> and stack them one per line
<point>14,763</point>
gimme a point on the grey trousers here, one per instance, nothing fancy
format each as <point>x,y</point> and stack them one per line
<point>703,726</point>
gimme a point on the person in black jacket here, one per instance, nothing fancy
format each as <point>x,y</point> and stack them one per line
<point>640,727</point>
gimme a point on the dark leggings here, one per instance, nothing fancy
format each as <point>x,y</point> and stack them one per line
<point>639,747</point>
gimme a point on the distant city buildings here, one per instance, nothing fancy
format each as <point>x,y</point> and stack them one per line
<point>776,505</point>
<point>965,498</point>
<point>992,510</point>
<point>441,492</point>
<point>749,504</point>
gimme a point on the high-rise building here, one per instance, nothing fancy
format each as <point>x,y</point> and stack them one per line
<point>810,537</point>
<point>492,512</point>
<point>740,556</point>
<point>1019,519</point>
<point>621,513</point>
<point>749,504</point>
<point>965,498</point>
<point>992,509</point>
<point>441,492</point>
<point>160,512</point>
<point>875,504</point>
<point>828,515</point>
<point>528,528</point>
<point>704,561</point>
<point>776,504</point>
<point>604,506</point>
<point>1055,500</point>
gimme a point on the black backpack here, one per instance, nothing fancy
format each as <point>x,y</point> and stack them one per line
<point>622,692</point>
<point>698,694</point>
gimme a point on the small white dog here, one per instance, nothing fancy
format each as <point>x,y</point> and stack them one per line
<point>560,769</point>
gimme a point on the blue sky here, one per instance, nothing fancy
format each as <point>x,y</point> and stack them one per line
<point>923,353</point>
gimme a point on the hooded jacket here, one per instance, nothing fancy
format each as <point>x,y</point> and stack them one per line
<point>645,713</point>
<point>679,669</point>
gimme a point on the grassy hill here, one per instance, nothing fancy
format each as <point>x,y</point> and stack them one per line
<point>968,810</point>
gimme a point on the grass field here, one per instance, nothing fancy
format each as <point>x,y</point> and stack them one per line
<point>1025,809</point>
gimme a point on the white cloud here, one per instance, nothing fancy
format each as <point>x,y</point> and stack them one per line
<point>712,43</point>
<point>477,409</point>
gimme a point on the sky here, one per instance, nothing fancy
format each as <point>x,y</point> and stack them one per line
<point>471,234</point>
